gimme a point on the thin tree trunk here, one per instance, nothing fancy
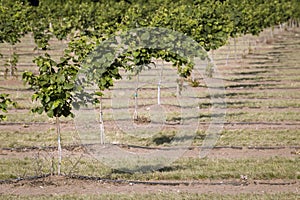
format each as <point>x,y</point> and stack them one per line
<point>59,145</point>
<point>158,93</point>
<point>158,85</point>
<point>235,50</point>
<point>212,55</point>
<point>249,47</point>
<point>179,86</point>
<point>294,24</point>
<point>10,62</point>
<point>271,33</point>
<point>280,27</point>
<point>13,68</point>
<point>228,52</point>
<point>102,140</point>
<point>135,115</point>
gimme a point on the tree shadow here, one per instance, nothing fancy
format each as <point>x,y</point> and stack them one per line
<point>228,104</point>
<point>146,169</point>
<point>252,72</point>
<point>256,85</point>
<point>162,139</point>
<point>246,79</point>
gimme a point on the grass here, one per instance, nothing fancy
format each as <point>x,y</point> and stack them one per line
<point>195,169</point>
<point>182,169</point>
<point>260,137</point>
<point>256,103</point>
<point>235,137</point>
<point>243,137</point>
<point>158,196</point>
<point>26,116</point>
<point>14,168</point>
<point>228,137</point>
<point>27,138</point>
<point>259,116</point>
<point>257,94</point>
<point>255,115</point>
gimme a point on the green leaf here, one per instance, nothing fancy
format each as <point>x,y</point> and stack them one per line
<point>40,110</point>
<point>50,113</point>
<point>98,93</point>
<point>55,104</point>
<point>47,98</point>
<point>34,97</point>
<point>136,53</point>
<point>68,86</point>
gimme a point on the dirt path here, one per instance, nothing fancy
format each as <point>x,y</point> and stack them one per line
<point>63,185</point>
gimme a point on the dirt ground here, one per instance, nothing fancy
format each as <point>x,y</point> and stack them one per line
<point>57,185</point>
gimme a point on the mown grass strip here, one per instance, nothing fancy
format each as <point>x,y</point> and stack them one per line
<point>255,103</point>
<point>260,137</point>
<point>183,169</point>
<point>40,138</point>
<point>255,115</point>
<point>236,137</point>
<point>194,169</point>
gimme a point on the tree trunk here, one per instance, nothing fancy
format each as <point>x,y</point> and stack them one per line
<point>212,55</point>
<point>10,62</point>
<point>228,53</point>
<point>235,50</point>
<point>158,85</point>
<point>158,93</point>
<point>271,33</point>
<point>249,47</point>
<point>13,68</point>
<point>179,86</point>
<point>59,145</point>
<point>135,115</point>
<point>102,140</point>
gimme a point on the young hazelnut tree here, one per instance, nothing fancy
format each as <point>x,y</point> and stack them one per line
<point>53,88</point>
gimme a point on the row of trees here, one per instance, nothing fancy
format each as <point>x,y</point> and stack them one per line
<point>86,23</point>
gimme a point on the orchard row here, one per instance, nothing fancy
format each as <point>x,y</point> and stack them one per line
<point>85,24</point>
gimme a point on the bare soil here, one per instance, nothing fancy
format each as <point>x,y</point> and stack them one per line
<point>58,185</point>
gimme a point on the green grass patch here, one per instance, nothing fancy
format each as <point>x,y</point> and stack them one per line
<point>256,103</point>
<point>263,116</point>
<point>269,94</point>
<point>195,169</point>
<point>14,168</point>
<point>236,137</point>
<point>44,162</point>
<point>260,137</point>
<point>182,169</point>
<point>255,116</point>
<point>27,138</point>
<point>26,116</point>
